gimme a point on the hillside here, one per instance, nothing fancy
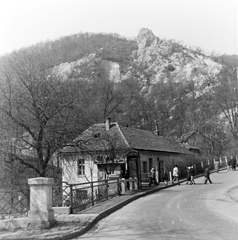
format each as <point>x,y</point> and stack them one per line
<point>140,83</point>
<point>150,59</point>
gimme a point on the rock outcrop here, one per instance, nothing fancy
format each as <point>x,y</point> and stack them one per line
<point>155,60</point>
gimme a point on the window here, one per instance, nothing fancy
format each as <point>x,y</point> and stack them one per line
<point>145,167</point>
<point>150,163</point>
<point>81,166</point>
<point>97,135</point>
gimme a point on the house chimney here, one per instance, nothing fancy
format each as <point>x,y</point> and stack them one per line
<point>108,123</point>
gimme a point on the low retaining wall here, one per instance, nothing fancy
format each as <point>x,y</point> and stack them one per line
<point>13,224</point>
<point>62,210</point>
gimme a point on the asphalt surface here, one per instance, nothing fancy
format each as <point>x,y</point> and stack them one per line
<point>198,211</point>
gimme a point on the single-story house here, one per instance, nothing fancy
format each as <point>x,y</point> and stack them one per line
<point>108,149</point>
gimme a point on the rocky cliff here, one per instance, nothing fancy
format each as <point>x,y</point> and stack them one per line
<point>153,61</point>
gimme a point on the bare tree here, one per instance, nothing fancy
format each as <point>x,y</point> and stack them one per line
<point>38,109</point>
<point>227,100</point>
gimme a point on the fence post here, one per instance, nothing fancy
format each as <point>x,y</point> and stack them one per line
<point>135,183</point>
<point>71,197</point>
<point>92,195</point>
<point>107,189</point>
<point>195,168</point>
<point>170,176</point>
<point>123,185</point>
<point>130,183</point>
<point>118,186</point>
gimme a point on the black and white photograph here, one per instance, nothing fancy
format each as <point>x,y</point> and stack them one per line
<point>119,119</point>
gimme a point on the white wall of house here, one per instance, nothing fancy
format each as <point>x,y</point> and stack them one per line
<point>149,160</point>
<point>116,172</point>
<point>72,175</point>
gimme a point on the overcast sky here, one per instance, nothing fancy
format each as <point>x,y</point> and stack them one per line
<point>209,24</point>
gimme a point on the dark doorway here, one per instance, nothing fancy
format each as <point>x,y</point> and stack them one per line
<point>133,168</point>
<point>160,170</point>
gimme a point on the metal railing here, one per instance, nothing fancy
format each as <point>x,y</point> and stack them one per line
<point>83,195</point>
<point>14,201</point>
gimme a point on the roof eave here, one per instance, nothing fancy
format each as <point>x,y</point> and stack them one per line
<point>163,151</point>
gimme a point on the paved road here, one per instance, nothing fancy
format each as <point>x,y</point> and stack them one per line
<point>201,212</point>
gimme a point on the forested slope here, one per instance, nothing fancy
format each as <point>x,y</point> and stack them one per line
<point>54,90</point>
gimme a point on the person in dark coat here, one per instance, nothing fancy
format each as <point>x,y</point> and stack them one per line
<point>188,175</point>
<point>233,164</point>
<point>207,175</point>
<point>152,177</point>
<point>229,164</point>
<point>192,169</point>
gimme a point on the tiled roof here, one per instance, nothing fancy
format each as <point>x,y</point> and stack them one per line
<point>97,138</point>
<point>146,140</point>
<point>134,138</point>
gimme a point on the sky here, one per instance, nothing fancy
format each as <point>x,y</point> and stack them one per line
<point>209,24</point>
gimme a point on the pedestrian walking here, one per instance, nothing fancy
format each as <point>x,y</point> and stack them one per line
<point>233,163</point>
<point>189,175</point>
<point>207,175</point>
<point>175,175</point>
<point>229,164</point>
<point>152,177</point>
<point>165,177</point>
<point>192,169</point>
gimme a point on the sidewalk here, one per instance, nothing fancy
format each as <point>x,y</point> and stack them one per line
<point>74,225</point>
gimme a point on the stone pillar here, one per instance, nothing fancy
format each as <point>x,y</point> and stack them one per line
<point>170,176</point>
<point>41,214</point>
<point>135,183</point>
<point>123,185</point>
<point>131,183</point>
